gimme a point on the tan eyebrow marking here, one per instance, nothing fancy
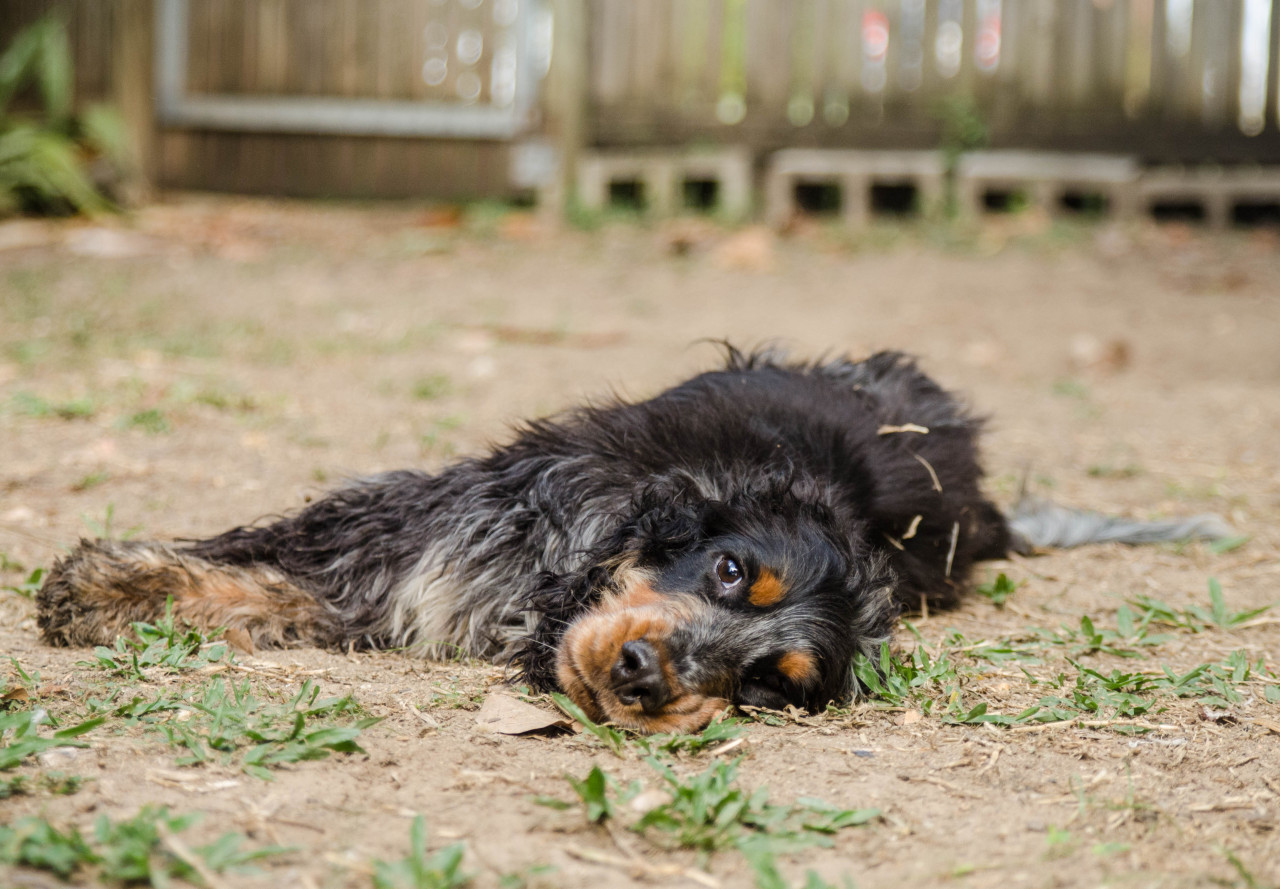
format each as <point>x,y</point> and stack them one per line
<point>766,590</point>
<point>798,666</point>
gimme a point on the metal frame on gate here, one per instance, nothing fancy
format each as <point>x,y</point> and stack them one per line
<point>308,114</point>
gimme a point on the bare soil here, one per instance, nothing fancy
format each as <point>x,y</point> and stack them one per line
<point>238,357</point>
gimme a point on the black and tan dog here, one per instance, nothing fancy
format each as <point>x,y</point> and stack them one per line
<point>736,539</point>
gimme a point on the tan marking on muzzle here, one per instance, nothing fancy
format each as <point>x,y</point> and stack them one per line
<point>594,643</point>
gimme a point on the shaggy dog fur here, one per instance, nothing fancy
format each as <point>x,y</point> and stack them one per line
<point>735,540</point>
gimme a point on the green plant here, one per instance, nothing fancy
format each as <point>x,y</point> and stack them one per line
<point>151,421</point>
<point>998,590</point>
<point>28,588</point>
<point>141,849</point>
<point>962,128</point>
<point>765,868</point>
<point>720,730</point>
<point>708,811</point>
<point>1195,618</point>
<point>44,156</point>
<point>898,682</point>
<point>161,645</point>
<point>418,870</point>
<point>106,529</point>
<point>593,790</point>
<point>20,738</point>
<point>30,405</point>
<point>612,739</point>
<point>431,387</point>
<point>230,722</point>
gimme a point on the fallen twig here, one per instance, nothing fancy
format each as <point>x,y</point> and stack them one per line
<point>189,858</point>
<point>641,866</point>
<point>937,485</point>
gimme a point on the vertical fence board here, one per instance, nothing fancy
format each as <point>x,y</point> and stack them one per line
<point>1272,114</point>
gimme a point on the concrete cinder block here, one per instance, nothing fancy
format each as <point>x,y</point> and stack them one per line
<point>663,175</point>
<point>1047,176</point>
<point>854,173</point>
<point>1218,191</point>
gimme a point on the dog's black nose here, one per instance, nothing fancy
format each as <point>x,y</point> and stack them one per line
<point>637,676</point>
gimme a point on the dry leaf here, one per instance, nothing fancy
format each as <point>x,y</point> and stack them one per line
<point>239,640</point>
<point>511,716</point>
<point>750,250</point>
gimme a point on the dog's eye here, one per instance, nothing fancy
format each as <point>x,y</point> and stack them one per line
<point>729,572</point>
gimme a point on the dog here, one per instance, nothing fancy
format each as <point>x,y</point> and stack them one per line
<point>736,540</point>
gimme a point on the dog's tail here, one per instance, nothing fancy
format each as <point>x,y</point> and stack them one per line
<point>94,594</point>
<point>1039,523</point>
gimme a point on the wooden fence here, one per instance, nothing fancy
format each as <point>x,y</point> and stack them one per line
<point>1166,80</point>
<point>1159,78</point>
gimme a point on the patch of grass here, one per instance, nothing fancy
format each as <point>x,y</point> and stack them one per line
<point>20,736</point>
<point>12,697</point>
<point>431,387</point>
<point>28,405</point>
<point>229,723</point>
<point>1228,544</point>
<point>36,843</point>
<point>434,440</point>
<point>534,875</point>
<point>937,681</point>
<point>1108,470</point>
<point>214,397</point>
<point>106,528</point>
<point>151,421</point>
<point>142,849</point>
<point>708,812</point>
<point>1059,841</point>
<point>56,783</point>
<point>1195,618</point>
<point>418,870</point>
<point>764,868</point>
<point>18,785</point>
<point>998,590</point>
<point>720,730</point>
<point>1247,877</point>
<point>901,682</point>
<point>92,480</point>
<point>27,588</point>
<point>1071,388</point>
<point>163,646</point>
<point>455,698</point>
<point>593,790</point>
<point>610,738</point>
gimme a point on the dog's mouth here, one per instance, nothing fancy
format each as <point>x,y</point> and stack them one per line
<point>615,664</point>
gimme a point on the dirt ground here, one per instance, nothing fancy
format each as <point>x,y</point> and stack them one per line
<point>215,360</point>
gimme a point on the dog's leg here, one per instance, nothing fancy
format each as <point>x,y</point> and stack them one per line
<point>324,576</point>
<point>103,586</point>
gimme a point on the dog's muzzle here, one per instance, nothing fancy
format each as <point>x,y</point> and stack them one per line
<point>616,663</point>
